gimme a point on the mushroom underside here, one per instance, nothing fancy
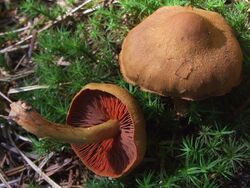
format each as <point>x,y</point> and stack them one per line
<point>111,157</point>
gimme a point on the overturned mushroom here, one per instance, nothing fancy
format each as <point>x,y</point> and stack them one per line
<point>182,52</point>
<point>105,127</point>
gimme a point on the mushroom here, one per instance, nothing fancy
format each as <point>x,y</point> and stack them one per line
<point>105,127</point>
<point>183,52</point>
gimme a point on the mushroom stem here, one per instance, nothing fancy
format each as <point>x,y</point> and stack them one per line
<point>181,106</point>
<point>34,123</point>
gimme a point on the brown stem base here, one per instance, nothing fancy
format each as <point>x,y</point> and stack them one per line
<point>181,107</point>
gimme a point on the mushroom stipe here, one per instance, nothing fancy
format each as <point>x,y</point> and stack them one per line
<point>105,127</point>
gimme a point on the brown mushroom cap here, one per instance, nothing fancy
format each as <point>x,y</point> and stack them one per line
<point>97,103</point>
<point>182,52</point>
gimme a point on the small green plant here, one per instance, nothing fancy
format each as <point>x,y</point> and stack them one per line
<point>32,184</point>
<point>2,61</point>
<point>212,156</point>
<point>45,146</point>
<point>9,36</point>
<point>70,2</point>
<point>104,183</point>
<point>147,181</point>
<point>35,8</point>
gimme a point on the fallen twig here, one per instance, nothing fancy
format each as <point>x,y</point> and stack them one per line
<point>14,48</point>
<point>57,168</point>
<point>5,97</point>
<point>15,31</point>
<point>4,180</point>
<point>33,166</point>
<point>17,76</point>
<point>73,165</point>
<point>88,11</point>
<point>4,117</point>
<point>10,183</point>
<point>70,13</point>
<point>3,161</point>
<point>70,179</point>
<point>20,62</point>
<point>32,44</point>
<point>26,88</point>
<point>25,139</point>
<point>12,162</point>
<point>21,179</point>
<point>15,170</point>
<point>46,159</point>
<point>14,150</point>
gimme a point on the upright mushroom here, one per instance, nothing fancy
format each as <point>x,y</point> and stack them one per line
<point>105,127</point>
<point>182,52</point>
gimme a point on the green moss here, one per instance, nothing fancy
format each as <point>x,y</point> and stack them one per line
<point>104,183</point>
<point>45,146</point>
<point>35,8</point>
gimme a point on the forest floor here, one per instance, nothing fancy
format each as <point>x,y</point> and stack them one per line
<point>48,51</point>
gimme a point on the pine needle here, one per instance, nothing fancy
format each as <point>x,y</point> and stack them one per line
<point>35,167</point>
<point>4,181</point>
<point>26,88</point>
<point>5,97</point>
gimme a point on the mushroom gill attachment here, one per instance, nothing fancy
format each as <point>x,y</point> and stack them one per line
<point>97,103</point>
<point>182,52</point>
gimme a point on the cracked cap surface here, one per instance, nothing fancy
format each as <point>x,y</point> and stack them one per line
<point>182,52</point>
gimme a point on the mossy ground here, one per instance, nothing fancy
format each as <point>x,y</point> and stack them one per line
<point>208,148</point>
